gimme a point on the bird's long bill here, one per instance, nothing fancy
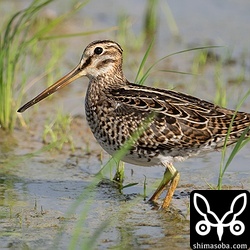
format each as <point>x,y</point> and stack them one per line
<point>64,81</point>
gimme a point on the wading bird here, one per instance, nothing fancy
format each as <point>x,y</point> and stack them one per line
<point>181,125</point>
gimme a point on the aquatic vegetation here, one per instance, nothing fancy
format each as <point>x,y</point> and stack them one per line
<point>20,35</point>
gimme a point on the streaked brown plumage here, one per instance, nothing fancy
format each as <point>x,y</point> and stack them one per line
<point>182,125</point>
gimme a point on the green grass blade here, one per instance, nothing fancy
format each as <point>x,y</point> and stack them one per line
<point>144,59</point>
<point>238,146</point>
<point>178,72</point>
<point>130,185</point>
<point>145,76</point>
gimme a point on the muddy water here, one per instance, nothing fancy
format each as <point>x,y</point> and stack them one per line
<point>38,193</point>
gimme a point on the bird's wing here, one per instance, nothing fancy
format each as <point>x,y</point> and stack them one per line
<point>180,119</point>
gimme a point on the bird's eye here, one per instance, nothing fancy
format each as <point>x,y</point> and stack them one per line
<point>98,50</point>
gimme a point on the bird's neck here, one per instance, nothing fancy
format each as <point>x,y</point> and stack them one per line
<point>99,85</point>
<point>107,80</point>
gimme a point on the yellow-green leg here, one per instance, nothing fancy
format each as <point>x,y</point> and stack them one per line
<point>172,177</point>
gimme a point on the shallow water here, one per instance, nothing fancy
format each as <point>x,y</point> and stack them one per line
<point>37,192</point>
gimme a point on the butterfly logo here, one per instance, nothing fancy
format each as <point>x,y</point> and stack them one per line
<point>210,219</point>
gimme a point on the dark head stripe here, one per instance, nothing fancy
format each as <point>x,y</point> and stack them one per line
<point>111,44</point>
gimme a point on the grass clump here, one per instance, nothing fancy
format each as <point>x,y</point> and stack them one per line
<point>16,40</point>
<point>19,38</point>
